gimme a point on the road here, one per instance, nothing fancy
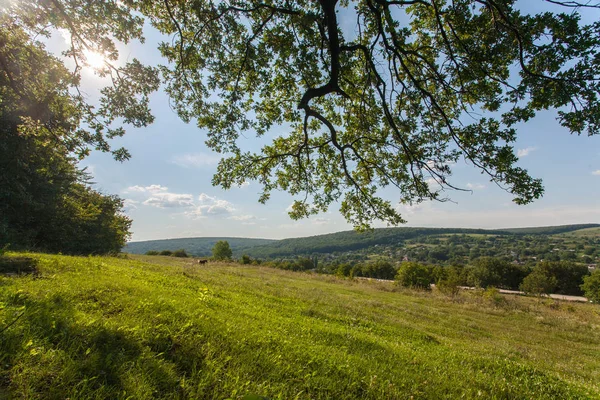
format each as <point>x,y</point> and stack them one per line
<point>564,297</point>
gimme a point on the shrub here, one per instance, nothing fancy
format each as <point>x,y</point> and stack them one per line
<point>179,253</point>
<point>379,270</point>
<point>492,271</point>
<point>449,281</point>
<point>414,275</point>
<point>539,282</point>
<point>343,270</point>
<point>591,286</point>
<point>221,250</point>
<point>152,253</point>
<point>569,276</point>
<point>165,253</point>
<point>245,259</point>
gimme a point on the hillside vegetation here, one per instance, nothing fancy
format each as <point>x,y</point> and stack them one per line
<point>343,242</point>
<point>201,246</point>
<point>158,327</point>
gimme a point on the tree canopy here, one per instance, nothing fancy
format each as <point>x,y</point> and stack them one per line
<point>221,250</point>
<point>349,96</point>
<point>45,199</point>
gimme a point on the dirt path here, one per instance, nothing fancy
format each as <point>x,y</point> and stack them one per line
<point>564,297</point>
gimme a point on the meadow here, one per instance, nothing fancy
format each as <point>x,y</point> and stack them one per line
<point>157,327</point>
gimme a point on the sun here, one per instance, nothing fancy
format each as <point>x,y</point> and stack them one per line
<point>94,59</point>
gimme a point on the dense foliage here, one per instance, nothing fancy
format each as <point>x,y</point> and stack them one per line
<point>45,200</point>
<point>345,97</point>
<point>591,286</point>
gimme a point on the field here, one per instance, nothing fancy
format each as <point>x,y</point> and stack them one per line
<point>155,327</point>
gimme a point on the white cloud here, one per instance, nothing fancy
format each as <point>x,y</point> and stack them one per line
<point>525,152</point>
<point>145,189</point>
<point>211,206</point>
<point>475,186</point>
<point>242,217</point>
<point>409,209</point>
<point>195,160</point>
<point>129,204</point>
<point>321,221</point>
<point>169,200</point>
<point>596,172</point>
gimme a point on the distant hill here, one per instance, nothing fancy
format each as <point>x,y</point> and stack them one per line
<point>200,246</point>
<point>333,242</point>
<point>550,230</point>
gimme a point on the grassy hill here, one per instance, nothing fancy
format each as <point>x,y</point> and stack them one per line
<point>156,327</point>
<point>201,246</point>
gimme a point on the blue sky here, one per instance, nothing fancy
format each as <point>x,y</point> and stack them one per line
<point>168,191</point>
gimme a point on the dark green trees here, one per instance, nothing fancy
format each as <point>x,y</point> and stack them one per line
<point>45,201</point>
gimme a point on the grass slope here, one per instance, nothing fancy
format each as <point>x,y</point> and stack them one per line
<point>154,327</point>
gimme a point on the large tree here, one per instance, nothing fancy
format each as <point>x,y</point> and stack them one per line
<point>45,200</point>
<point>353,96</point>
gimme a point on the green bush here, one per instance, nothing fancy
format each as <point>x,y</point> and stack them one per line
<point>165,253</point>
<point>539,282</point>
<point>245,259</point>
<point>221,250</point>
<point>414,275</point>
<point>591,286</point>
<point>152,253</point>
<point>179,253</point>
<point>449,281</point>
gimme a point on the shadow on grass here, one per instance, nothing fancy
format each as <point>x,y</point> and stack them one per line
<point>17,265</point>
<point>49,353</point>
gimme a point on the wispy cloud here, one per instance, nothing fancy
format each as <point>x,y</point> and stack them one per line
<point>596,172</point>
<point>475,186</point>
<point>525,152</point>
<point>145,189</point>
<point>129,204</point>
<point>242,217</point>
<point>196,160</point>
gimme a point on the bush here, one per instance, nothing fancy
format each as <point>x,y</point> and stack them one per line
<point>245,259</point>
<point>179,253</point>
<point>165,253</point>
<point>414,275</point>
<point>569,276</point>
<point>152,253</point>
<point>221,250</point>
<point>497,272</point>
<point>379,270</point>
<point>343,270</point>
<point>539,282</point>
<point>449,281</point>
<point>591,286</point>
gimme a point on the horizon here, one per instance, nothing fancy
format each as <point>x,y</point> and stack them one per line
<point>592,225</point>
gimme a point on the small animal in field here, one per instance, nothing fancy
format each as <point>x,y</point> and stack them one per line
<point>202,261</point>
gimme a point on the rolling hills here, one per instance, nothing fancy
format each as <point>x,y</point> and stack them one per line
<point>340,242</point>
<point>200,246</point>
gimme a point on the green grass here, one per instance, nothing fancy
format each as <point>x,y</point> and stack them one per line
<point>155,327</point>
